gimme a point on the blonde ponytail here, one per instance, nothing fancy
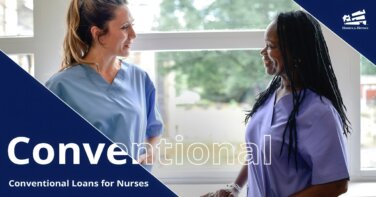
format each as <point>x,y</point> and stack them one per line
<point>74,48</point>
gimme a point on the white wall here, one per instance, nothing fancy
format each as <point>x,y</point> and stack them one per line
<point>346,64</point>
<point>48,51</point>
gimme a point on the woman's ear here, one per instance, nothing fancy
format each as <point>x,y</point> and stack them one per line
<point>95,34</point>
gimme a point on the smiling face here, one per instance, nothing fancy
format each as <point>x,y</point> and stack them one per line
<point>271,54</point>
<point>120,33</point>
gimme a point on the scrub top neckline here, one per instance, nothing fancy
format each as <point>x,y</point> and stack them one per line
<point>275,103</point>
<point>284,102</point>
<point>99,81</point>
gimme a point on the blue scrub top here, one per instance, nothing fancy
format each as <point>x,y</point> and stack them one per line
<point>321,154</point>
<point>124,111</point>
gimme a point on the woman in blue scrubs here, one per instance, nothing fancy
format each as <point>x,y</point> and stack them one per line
<point>301,113</point>
<point>116,97</point>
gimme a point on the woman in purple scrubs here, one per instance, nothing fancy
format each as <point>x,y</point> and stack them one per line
<point>301,113</point>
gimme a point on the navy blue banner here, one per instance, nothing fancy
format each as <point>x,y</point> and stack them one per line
<point>35,128</point>
<point>354,21</point>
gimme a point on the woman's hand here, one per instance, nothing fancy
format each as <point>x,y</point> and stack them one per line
<point>232,190</point>
<point>228,192</point>
<point>146,158</point>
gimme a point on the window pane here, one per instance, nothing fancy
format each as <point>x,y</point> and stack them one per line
<point>26,61</point>
<point>202,96</point>
<point>368,115</point>
<point>179,15</point>
<point>16,18</point>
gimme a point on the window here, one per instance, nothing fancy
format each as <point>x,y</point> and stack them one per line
<point>204,59</point>
<point>198,15</point>
<point>178,35</point>
<point>30,38</point>
<point>368,115</point>
<point>203,96</point>
<point>26,61</point>
<point>16,18</point>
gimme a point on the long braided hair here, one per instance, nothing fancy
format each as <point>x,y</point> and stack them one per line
<point>306,59</point>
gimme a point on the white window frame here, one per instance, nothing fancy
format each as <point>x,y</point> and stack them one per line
<point>45,45</point>
<point>49,29</point>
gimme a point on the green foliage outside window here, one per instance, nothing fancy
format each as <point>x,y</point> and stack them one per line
<point>218,76</point>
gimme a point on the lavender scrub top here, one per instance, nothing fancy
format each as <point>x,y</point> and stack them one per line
<point>125,111</point>
<point>321,154</point>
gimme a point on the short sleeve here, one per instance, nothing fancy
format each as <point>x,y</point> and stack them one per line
<point>154,120</point>
<point>323,148</point>
<point>54,86</point>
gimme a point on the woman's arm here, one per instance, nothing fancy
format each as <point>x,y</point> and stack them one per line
<point>242,176</point>
<point>328,189</point>
<point>240,180</point>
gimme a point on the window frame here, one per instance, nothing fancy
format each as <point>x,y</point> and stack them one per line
<point>48,37</point>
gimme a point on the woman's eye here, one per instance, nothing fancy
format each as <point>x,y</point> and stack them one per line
<point>127,26</point>
<point>270,46</point>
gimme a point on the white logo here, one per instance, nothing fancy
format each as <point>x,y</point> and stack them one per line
<point>357,19</point>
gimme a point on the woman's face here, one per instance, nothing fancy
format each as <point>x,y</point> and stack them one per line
<point>120,33</point>
<point>271,54</point>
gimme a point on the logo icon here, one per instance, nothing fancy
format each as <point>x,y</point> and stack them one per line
<point>355,21</point>
<point>356,18</point>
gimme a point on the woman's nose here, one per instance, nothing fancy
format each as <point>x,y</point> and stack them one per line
<point>132,33</point>
<point>262,52</point>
